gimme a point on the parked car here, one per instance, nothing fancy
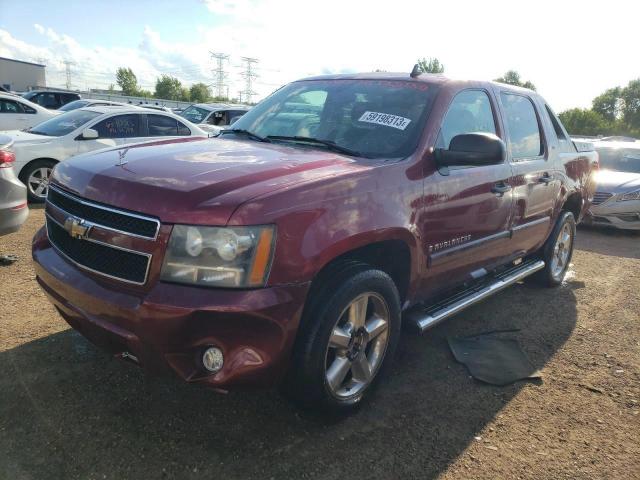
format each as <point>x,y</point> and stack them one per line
<point>17,113</point>
<point>51,99</point>
<point>13,194</point>
<point>40,148</point>
<point>616,202</point>
<point>88,102</point>
<point>214,117</point>
<point>287,250</point>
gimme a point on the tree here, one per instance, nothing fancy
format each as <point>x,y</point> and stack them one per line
<point>430,65</point>
<point>630,96</point>
<point>200,93</point>
<point>513,78</point>
<point>168,88</point>
<point>127,81</point>
<point>583,121</point>
<point>609,103</point>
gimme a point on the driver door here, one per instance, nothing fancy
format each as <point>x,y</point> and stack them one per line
<point>112,131</point>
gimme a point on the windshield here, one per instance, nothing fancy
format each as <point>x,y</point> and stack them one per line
<point>374,118</point>
<point>620,159</point>
<point>73,105</point>
<point>194,114</point>
<point>65,123</point>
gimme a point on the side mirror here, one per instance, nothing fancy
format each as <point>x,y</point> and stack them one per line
<point>89,134</point>
<point>472,150</point>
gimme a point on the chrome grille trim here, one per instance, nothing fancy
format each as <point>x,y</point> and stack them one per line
<point>108,209</point>
<point>115,247</point>
<point>601,197</point>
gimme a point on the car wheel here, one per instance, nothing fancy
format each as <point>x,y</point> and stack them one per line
<point>557,251</point>
<point>349,332</point>
<point>36,177</point>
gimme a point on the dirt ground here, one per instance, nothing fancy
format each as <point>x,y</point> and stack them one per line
<point>68,410</point>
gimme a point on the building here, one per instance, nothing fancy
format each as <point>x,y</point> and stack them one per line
<point>19,76</point>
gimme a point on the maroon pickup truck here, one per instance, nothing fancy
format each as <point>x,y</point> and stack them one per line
<point>290,249</point>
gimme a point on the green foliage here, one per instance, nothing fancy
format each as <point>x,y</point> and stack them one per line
<point>583,121</point>
<point>608,104</point>
<point>168,88</point>
<point>200,93</point>
<point>430,65</point>
<point>127,81</point>
<point>513,78</point>
<point>631,105</point>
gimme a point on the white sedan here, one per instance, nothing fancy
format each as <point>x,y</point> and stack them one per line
<point>17,113</point>
<point>39,148</point>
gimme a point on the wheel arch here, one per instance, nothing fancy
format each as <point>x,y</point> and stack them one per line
<point>31,162</point>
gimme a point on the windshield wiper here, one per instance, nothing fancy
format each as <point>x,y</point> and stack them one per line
<point>36,132</point>
<point>249,134</point>
<point>331,145</point>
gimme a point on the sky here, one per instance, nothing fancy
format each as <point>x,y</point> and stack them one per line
<point>571,50</point>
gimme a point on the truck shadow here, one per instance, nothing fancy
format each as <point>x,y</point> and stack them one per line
<point>70,411</point>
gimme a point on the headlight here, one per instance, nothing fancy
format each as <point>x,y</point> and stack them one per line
<point>629,196</point>
<point>219,257</point>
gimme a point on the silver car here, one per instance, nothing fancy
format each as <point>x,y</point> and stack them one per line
<point>13,194</point>
<point>616,202</point>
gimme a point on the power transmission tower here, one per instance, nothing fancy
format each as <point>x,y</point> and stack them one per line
<point>219,73</point>
<point>67,70</point>
<point>249,75</point>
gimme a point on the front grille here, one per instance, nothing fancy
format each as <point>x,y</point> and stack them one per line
<point>629,217</point>
<point>99,258</point>
<point>102,215</point>
<point>600,197</point>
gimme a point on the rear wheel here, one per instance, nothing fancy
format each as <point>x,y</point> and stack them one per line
<point>36,177</point>
<point>557,251</point>
<point>347,339</point>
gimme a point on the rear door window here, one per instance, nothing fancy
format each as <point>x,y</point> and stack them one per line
<point>9,106</point>
<point>525,140</point>
<point>161,126</point>
<point>119,126</point>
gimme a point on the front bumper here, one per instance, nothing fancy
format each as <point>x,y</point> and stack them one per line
<point>171,325</point>
<point>623,215</point>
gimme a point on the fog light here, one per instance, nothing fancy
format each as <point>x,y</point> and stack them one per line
<point>213,360</point>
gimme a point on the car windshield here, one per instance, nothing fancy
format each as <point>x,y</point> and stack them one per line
<point>64,123</point>
<point>620,159</point>
<point>73,105</point>
<point>371,118</point>
<point>194,114</point>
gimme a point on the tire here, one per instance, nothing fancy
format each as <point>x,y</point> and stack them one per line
<point>336,347</point>
<point>32,176</point>
<point>554,270</point>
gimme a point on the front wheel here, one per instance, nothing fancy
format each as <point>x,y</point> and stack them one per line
<point>36,177</point>
<point>347,339</point>
<point>557,251</point>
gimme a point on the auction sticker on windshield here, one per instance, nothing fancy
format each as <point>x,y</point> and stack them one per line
<point>386,119</point>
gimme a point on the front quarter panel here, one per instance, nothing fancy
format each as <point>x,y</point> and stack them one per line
<point>320,220</point>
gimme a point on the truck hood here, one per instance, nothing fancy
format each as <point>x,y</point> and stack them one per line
<point>197,182</point>
<point>615,182</point>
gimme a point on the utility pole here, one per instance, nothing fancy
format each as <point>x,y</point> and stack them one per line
<point>249,75</point>
<point>219,73</point>
<point>67,71</point>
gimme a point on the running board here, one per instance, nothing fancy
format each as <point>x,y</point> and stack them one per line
<point>434,314</point>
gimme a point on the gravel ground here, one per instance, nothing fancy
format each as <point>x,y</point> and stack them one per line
<point>68,410</point>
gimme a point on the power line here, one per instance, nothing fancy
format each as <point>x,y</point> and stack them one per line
<point>219,73</point>
<point>249,75</point>
<point>67,71</point>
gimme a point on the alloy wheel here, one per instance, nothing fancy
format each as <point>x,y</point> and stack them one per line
<point>38,182</point>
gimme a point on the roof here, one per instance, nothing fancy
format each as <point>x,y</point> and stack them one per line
<point>112,108</point>
<point>221,106</point>
<point>22,61</point>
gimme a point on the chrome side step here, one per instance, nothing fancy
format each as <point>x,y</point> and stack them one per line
<point>434,314</point>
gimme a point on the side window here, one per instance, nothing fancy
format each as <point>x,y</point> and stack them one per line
<point>47,100</point>
<point>522,124</point>
<point>120,126</point>
<point>26,108</point>
<point>9,106</point>
<point>469,112</point>
<point>183,129</point>
<point>161,126</point>
<point>556,124</point>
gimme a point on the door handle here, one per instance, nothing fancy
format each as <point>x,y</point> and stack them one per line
<point>501,188</point>
<point>545,178</point>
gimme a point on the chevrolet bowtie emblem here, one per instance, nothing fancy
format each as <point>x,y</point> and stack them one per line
<point>77,228</point>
